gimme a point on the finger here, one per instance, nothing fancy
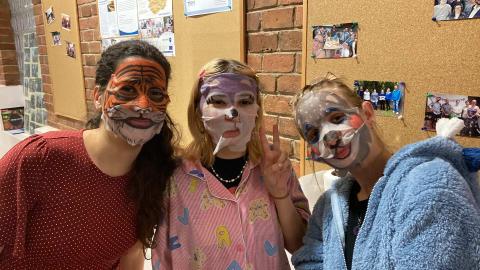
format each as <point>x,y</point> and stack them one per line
<point>276,138</point>
<point>263,140</point>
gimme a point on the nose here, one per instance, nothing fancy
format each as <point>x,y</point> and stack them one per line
<point>332,138</point>
<point>231,114</point>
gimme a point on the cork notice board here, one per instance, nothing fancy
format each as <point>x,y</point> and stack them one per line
<point>198,40</point>
<point>398,41</point>
<point>66,72</point>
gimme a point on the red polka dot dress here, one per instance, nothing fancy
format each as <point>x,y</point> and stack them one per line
<point>58,210</point>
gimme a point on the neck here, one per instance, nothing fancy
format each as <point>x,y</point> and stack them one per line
<point>111,154</point>
<point>369,172</point>
<point>226,153</point>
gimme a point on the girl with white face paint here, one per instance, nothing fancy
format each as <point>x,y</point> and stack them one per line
<point>387,211</point>
<point>235,202</point>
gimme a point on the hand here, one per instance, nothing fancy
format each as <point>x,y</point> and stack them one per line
<point>275,165</point>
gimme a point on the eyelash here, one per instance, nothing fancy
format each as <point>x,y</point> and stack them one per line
<point>213,100</point>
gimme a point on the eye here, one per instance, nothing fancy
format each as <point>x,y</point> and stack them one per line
<point>126,93</point>
<point>311,135</point>
<point>216,101</point>
<point>157,94</point>
<point>246,101</point>
<point>337,118</point>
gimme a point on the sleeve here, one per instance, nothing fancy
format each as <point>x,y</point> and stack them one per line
<point>20,170</point>
<point>310,255</point>
<point>298,198</point>
<point>438,223</point>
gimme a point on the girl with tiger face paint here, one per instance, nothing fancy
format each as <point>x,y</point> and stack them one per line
<point>136,100</point>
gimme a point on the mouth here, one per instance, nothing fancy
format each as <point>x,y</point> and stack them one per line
<point>141,123</point>
<point>342,152</point>
<point>231,133</point>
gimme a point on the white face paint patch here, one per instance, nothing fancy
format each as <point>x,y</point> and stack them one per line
<point>334,130</point>
<point>229,110</point>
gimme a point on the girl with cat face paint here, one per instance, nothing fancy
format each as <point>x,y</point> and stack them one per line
<point>235,202</point>
<point>90,199</point>
<point>385,212</point>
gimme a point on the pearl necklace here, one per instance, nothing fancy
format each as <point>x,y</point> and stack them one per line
<point>233,179</point>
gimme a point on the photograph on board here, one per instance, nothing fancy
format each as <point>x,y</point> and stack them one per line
<point>335,41</point>
<point>50,16</point>
<point>66,24</point>
<point>450,105</point>
<point>447,10</point>
<point>387,98</point>
<point>56,38</point>
<point>70,49</point>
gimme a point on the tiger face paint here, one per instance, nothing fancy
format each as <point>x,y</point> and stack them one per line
<point>335,131</point>
<point>229,109</point>
<point>135,101</point>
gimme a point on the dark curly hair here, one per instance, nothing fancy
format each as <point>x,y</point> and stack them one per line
<point>156,161</point>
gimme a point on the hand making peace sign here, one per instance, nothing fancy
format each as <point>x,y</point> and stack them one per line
<point>276,167</point>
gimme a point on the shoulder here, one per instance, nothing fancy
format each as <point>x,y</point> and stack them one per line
<point>188,167</point>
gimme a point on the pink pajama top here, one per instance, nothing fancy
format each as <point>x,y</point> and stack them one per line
<point>208,227</point>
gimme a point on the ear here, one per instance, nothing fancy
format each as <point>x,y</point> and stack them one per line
<point>97,98</point>
<point>369,112</point>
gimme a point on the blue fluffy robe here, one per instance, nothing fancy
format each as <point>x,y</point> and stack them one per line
<point>423,214</point>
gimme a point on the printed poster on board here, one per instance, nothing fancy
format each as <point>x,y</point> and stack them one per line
<point>108,18</point>
<point>154,8</point>
<point>200,7</point>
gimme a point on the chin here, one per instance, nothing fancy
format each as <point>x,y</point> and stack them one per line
<point>350,160</point>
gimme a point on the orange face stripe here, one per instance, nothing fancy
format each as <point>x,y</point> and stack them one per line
<point>138,82</point>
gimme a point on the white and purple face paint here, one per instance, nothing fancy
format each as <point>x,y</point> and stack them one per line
<point>335,131</point>
<point>229,108</point>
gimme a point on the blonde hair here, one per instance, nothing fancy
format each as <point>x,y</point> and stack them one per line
<point>335,85</point>
<point>201,147</point>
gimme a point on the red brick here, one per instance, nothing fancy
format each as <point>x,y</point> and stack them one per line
<point>298,21</point>
<point>9,69</point>
<point>36,2</point>
<point>40,30</point>
<point>89,84</point>
<point>253,21</point>
<point>47,89</point>
<point>5,46</point>
<point>290,40</point>
<point>264,3</point>
<point>86,11</point>
<point>45,69</point>
<point>286,127</point>
<point>278,63</point>
<point>37,9</point>
<point>288,83</point>
<point>267,82</point>
<point>289,2</point>
<point>38,19</point>
<point>298,63</point>
<point>277,19</point>
<point>10,54</point>
<point>88,23</point>
<point>277,104</point>
<point>84,47</point>
<point>94,9</point>
<point>286,146</point>
<point>42,49</point>
<point>250,5</point>
<point>255,61</point>
<point>95,47</point>
<point>268,122</point>
<point>296,149</point>
<point>46,79</point>
<point>89,60</point>
<point>89,71</point>
<point>264,42</point>
<point>41,40</point>
<point>81,2</point>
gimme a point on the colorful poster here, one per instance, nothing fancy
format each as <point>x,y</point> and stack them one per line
<point>108,18</point>
<point>199,7</point>
<point>12,120</point>
<point>154,8</point>
<point>127,17</point>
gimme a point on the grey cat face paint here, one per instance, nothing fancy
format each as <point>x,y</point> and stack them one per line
<point>334,129</point>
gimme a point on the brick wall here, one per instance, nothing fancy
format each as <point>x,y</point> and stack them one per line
<point>274,29</point>
<point>90,48</point>
<point>9,74</point>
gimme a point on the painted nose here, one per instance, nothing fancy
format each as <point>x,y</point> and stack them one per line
<point>232,113</point>
<point>332,138</point>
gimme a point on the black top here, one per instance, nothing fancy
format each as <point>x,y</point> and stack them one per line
<point>356,214</point>
<point>228,169</point>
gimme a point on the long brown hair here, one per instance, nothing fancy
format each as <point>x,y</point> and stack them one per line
<point>156,161</point>
<point>201,147</point>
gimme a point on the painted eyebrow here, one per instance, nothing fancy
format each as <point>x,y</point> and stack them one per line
<point>245,95</point>
<point>141,71</point>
